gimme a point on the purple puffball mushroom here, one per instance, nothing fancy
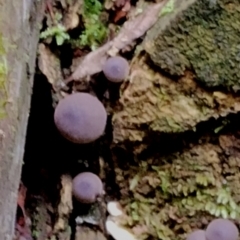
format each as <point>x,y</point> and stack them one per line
<point>197,235</point>
<point>80,118</point>
<point>221,229</point>
<point>116,69</point>
<point>87,187</point>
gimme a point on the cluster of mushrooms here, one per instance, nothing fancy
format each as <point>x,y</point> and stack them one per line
<point>81,118</point>
<point>218,229</point>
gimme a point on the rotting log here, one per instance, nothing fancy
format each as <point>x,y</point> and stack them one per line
<point>19,32</point>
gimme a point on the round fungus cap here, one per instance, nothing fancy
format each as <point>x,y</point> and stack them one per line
<point>221,229</point>
<point>197,235</point>
<point>87,187</point>
<point>116,69</point>
<point>80,117</point>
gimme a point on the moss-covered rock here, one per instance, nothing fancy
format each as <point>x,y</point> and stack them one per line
<point>167,197</point>
<point>151,102</point>
<point>168,194</point>
<point>204,38</point>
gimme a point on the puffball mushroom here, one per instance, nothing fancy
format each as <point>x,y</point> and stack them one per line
<point>221,229</point>
<point>197,235</point>
<point>116,69</point>
<point>80,118</point>
<point>87,187</point>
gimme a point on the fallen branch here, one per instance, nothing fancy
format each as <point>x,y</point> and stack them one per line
<point>131,30</point>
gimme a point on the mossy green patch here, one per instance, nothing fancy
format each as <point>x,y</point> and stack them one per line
<point>204,38</point>
<point>95,31</point>
<point>175,194</point>
<point>3,77</point>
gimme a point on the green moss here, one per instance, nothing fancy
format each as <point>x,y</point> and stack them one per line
<point>95,31</point>
<point>3,78</point>
<point>176,194</point>
<point>205,38</point>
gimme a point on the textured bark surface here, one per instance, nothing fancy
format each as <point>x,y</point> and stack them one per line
<point>19,28</point>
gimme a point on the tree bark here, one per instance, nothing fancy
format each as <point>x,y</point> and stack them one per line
<point>19,32</point>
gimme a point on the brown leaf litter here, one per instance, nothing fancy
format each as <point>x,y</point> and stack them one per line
<point>22,227</point>
<point>50,66</point>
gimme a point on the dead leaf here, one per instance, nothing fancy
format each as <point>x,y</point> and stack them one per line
<point>123,10</point>
<point>65,205</point>
<point>49,8</point>
<point>130,31</point>
<point>21,198</point>
<point>119,15</point>
<point>136,27</point>
<point>92,63</point>
<point>49,65</point>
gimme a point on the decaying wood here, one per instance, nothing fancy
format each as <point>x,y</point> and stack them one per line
<point>19,28</point>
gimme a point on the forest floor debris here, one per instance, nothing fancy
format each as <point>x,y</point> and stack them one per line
<point>164,174</point>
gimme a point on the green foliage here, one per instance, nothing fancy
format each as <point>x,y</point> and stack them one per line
<point>92,7</point>
<point>205,38</point>
<point>182,190</point>
<point>224,206</point>
<point>59,32</point>
<point>95,31</point>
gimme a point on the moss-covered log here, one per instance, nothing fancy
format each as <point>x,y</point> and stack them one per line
<point>204,38</point>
